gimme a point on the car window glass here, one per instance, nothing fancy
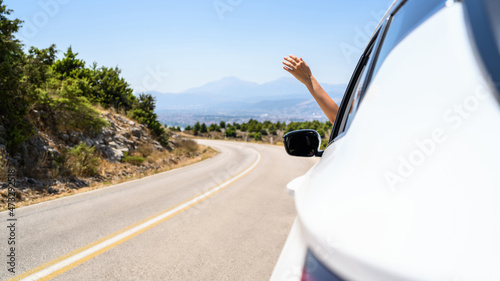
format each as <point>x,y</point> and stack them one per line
<point>356,99</point>
<point>352,96</point>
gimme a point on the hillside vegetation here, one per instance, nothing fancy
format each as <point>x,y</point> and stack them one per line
<point>65,124</point>
<point>253,130</point>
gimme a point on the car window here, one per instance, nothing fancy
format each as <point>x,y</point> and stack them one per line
<point>353,108</point>
<point>402,20</point>
<point>351,99</point>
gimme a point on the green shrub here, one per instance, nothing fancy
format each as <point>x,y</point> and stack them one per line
<point>82,160</point>
<point>231,132</point>
<point>258,136</point>
<point>134,160</point>
<point>73,112</point>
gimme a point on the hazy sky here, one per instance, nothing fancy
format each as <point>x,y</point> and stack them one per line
<point>173,45</point>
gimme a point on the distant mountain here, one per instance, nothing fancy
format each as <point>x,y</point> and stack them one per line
<point>283,99</point>
<point>233,90</point>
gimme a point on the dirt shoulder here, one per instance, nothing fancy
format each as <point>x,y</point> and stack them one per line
<point>110,174</point>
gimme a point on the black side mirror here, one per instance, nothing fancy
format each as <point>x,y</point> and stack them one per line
<point>303,143</point>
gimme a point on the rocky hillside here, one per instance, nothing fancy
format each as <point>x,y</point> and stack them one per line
<point>60,131</point>
<point>52,163</point>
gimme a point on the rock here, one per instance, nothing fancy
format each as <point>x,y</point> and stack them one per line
<point>131,123</point>
<point>107,132</point>
<point>65,137</point>
<point>116,155</point>
<point>53,190</point>
<point>78,182</point>
<point>89,142</point>
<point>113,153</point>
<point>120,139</point>
<point>31,181</point>
<point>52,153</point>
<point>136,132</point>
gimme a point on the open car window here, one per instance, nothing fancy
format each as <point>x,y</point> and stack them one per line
<point>351,99</point>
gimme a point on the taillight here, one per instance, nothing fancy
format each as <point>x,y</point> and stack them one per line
<point>314,270</point>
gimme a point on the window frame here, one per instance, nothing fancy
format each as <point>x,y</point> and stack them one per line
<point>370,58</point>
<point>364,63</point>
<point>483,31</point>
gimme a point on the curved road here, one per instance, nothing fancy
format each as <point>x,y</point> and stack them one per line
<point>153,229</point>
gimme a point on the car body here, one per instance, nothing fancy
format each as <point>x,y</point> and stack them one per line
<point>408,187</point>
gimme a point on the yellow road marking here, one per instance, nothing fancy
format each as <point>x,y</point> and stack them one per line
<point>68,261</point>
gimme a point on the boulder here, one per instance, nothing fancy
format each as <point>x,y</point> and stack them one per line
<point>113,153</point>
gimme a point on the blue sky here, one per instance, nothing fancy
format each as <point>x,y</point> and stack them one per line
<point>174,45</point>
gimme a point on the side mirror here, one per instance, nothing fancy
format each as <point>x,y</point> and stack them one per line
<point>303,143</point>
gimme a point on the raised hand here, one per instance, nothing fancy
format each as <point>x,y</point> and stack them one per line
<point>298,68</point>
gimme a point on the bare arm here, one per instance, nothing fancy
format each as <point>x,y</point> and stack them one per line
<point>300,70</point>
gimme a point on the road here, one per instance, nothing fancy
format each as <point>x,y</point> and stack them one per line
<point>138,231</point>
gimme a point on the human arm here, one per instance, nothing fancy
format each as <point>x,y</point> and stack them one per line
<point>300,70</point>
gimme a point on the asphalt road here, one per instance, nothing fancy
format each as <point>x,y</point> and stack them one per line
<point>138,230</point>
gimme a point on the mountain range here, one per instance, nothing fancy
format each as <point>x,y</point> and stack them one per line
<point>231,98</point>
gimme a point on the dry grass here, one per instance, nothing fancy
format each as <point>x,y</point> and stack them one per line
<point>187,147</point>
<point>145,150</point>
<point>204,153</point>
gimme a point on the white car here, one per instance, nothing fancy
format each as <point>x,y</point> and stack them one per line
<point>409,185</point>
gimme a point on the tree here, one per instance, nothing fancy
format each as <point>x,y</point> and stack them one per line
<point>258,136</point>
<point>231,132</point>
<point>143,112</point>
<point>188,128</point>
<point>321,133</point>
<point>214,128</point>
<point>222,124</point>
<point>69,66</point>
<point>197,128</point>
<point>272,130</point>
<point>111,90</point>
<point>203,128</point>
<point>71,111</point>
<point>21,76</point>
